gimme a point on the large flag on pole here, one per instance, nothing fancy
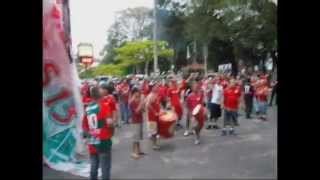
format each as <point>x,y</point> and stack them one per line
<point>61,98</point>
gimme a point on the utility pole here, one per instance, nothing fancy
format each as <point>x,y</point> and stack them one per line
<point>155,50</point>
<point>205,53</point>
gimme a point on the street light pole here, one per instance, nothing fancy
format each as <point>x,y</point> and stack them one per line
<point>155,52</point>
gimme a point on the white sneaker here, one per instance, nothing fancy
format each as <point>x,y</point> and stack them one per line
<point>197,141</point>
<point>193,131</point>
<point>186,133</point>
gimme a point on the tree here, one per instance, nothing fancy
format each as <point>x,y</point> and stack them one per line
<point>139,52</point>
<point>131,24</point>
<point>134,21</point>
<point>115,39</point>
<point>239,29</point>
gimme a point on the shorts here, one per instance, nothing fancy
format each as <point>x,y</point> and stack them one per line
<point>215,110</point>
<point>230,117</point>
<point>152,128</point>
<point>137,132</point>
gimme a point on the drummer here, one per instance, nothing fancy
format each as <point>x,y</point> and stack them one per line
<point>195,100</point>
<point>174,95</point>
<point>153,110</point>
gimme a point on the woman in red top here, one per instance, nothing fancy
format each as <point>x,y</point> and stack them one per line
<point>136,106</point>
<point>194,99</point>
<point>262,92</point>
<point>174,95</point>
<point>231,99</point>
<point>153,110</point>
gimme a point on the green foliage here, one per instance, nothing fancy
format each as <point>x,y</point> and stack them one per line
<point>87,74</point>
<point>138,52</point>
<point>231,29</point>
<point>248,27</point>
<point>110,69</point>
<point>131,24</point>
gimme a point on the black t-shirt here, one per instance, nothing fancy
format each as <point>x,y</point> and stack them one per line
<point>248,89</point>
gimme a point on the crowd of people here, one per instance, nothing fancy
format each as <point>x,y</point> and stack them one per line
<point>133,101</point>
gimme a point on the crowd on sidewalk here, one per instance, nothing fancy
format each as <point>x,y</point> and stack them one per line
<point>134,100</point>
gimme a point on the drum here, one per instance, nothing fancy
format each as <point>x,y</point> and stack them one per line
<point>198,114</point>
<point>167,124</point>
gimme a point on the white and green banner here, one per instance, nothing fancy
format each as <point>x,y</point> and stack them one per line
<point>61,99</point>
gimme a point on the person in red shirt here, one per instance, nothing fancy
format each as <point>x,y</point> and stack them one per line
<point>145,87</point>
<point>97,135</point>
<point>231,98</point>
<point>262,92</point>
<point>183,86</point>
<point>255,83</point>
<point>153,111</point>
<point>124,98</point>
<point>162,91</point>
<point>224,81</point>
<point>109,100</point>
<point>85,93</point>
<point>195,99</point>
<point>174,95</point>
<point>136,104</point>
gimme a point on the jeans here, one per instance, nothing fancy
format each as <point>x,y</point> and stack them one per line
<point>230,118</point>
<point>248,100</point>
<point>103,160</point>
<point>263,106</point>
<point>272,96</point>
<point>125,112</point>
<point>255,105</point>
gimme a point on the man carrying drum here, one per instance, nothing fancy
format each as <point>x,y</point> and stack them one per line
<point>195,105</point>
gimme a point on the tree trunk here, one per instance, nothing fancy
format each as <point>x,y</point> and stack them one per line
<point>146,68</point>
<point>234,68</point>
<point>205,57</point>
<point>194,60</point>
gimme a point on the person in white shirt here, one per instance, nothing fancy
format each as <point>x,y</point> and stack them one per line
<point>215,104</point>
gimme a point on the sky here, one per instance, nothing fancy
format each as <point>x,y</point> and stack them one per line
<point>90,20</point>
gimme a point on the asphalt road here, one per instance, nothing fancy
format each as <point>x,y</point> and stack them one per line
<point>251,154</point>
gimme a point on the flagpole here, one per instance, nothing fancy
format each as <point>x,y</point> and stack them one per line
<point>155,52</point>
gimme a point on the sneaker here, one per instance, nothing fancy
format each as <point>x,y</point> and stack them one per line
<point>179,126</point>
<point>186,133</point>
<point>215,127</point>
<point>209,127</point>
<point>155,147</point>
<point>232,132</point>
<point>135,156</point>
<point>193,131</point>
<point>142,154</point>
<point>224,133</point>
<point>197,141</point>
<point>263,118</point>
